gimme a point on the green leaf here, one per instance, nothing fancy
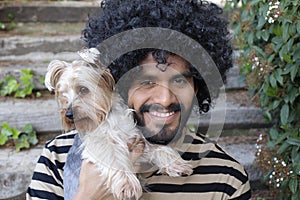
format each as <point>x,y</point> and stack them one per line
<point>10,16</point>
<point>283,147</point>
<point>287,58</point>
<point>268,116</point>
<point>3,139</point>
<point>284,114</point>
<point>273,81</point>
<point>285,34</point>
<point>294,71</point>
<point>15,133</point>
<point>6,130</point>
<point>33,140</point>
<point>20,93</point>
<point>271,58</point>
<point>261,22</point>
<point>272,92</point>
<point>265,35</point>
<point>278,76</point>
<point>283,51</point>
<point>298,26</point>
<point>273,133</point>
<point>22,142</point>
<point>28,128</point>
<point>293,185</point>
<point>253,2</point>
<point>293,141</point>
<point>259,51</point>
<point>250,38</point>
<point>275,104</point>
<point>38,94</point>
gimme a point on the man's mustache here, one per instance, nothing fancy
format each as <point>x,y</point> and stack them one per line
<point>156,107</point>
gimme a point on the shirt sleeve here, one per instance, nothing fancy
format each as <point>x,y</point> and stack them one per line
<point>242,193</point>
<point>47,179</point>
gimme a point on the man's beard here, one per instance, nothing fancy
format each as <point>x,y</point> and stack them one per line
<point>163,136</point>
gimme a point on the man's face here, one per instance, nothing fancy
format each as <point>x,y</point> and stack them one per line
<point>162,97</point>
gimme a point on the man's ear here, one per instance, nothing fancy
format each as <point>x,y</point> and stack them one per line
<point>54,71</point>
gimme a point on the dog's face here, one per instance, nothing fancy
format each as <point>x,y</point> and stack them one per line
<point>83,91</point>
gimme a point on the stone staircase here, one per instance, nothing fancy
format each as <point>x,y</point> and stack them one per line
<point>47,31</point>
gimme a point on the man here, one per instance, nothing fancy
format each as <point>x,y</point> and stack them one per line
<point>162,87</point>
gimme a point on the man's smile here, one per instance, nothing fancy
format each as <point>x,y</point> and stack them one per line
<point>161,114</point>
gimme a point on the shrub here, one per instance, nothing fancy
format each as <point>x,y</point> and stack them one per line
<point>267,35</point>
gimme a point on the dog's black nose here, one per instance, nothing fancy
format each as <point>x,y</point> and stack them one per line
<point>69,113</point>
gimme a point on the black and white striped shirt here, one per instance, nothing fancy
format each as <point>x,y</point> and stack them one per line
<point>216,175</point>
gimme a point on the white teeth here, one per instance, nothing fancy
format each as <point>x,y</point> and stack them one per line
<point>159,114</point>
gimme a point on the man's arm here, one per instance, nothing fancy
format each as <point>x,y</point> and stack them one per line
<point>46,181</point>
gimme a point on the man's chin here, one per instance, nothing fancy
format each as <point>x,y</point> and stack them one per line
<point>163,137</point>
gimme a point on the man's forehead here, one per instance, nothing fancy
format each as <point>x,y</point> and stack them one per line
<point>168,68</point>
<point>172,62</point>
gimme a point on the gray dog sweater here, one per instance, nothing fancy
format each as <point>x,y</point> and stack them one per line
<point>72,169</point>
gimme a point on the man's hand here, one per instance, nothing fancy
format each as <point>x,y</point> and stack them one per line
<point>91,185</point>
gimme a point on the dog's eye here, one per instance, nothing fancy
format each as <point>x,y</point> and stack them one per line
<point>83,90</point>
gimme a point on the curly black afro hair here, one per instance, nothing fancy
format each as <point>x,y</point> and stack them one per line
<point>199,20</point>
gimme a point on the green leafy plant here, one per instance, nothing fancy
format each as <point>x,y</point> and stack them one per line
<point>19,88</point>
<point>9,25</point>
<point>21,139</point>
<point>267,35</point>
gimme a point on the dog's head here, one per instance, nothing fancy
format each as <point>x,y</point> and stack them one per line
<point>83,89</point>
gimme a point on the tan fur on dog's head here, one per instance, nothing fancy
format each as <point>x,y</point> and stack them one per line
<point>83,88</point>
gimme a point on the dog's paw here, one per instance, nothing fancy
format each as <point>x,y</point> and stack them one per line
<point>126,186</point>
<point>177,168</point>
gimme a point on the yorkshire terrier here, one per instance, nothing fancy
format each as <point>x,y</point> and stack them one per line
<point>89,103</point>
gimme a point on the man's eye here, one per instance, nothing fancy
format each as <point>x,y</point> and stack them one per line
<point>147,83</point>
<point>83,90</point>
<point>180,81</point>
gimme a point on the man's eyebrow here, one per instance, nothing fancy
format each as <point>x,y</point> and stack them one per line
<point>145,77</point>
<point>186,74</point>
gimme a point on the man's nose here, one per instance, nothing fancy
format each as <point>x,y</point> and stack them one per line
<point>69,113</point>
<point>164,96</point>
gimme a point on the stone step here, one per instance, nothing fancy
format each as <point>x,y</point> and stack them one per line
<point>22,45</point>
<point>63,11</point>
<point>17,167</point>
<point>48,11</point>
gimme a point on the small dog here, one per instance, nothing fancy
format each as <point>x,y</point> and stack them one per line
<point>89,103</point>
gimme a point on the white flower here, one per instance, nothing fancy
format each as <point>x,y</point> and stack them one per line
<point>277,185</point>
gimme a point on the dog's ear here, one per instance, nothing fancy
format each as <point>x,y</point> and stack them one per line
<point>109,79</point>
<point>54,71</point>
<point>92,56</point>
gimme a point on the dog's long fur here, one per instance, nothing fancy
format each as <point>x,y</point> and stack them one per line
<point>87,89</point>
